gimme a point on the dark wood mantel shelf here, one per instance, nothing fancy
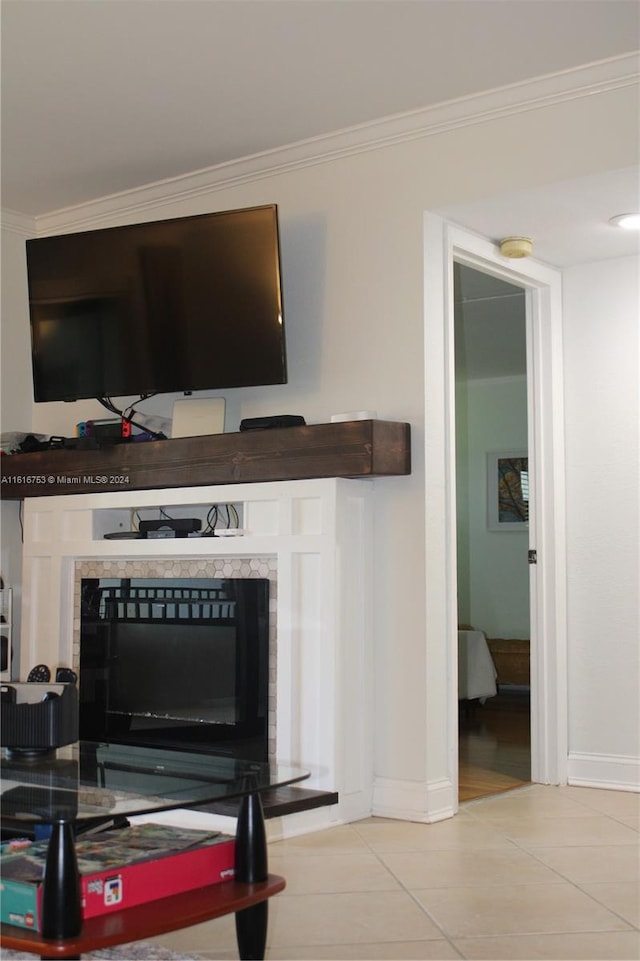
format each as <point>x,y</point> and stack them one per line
<point>359,448</point>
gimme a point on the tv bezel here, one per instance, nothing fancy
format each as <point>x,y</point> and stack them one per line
<point>217,383</point>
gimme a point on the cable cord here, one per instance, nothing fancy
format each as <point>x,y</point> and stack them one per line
<point>129,414</point>
<point>212,520</point>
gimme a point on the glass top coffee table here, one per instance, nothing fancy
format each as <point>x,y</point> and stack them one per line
<point>89,783</point>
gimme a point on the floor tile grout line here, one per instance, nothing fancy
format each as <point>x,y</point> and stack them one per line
<point>578,886</point>
<point>413,898</point>
<point>612,792</point>
<point>562,878</point>
<point>628,928</point>
<point>565,877</point>
<point>491,822</point>
<point>611,910</point>
<point>477,802</point>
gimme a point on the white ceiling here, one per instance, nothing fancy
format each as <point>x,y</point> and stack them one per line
<point>100,96</point>
<point>568,221</point>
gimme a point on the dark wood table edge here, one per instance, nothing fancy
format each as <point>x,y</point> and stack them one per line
<point>147,920</point>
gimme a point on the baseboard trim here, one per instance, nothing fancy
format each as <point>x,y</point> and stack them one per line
<point>613,772</point>
<point>415,800</point>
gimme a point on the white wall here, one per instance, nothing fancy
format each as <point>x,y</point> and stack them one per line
<point>602,471</point>
<point>495,592</point>
<point>353,283</point>
<point>16,393</point>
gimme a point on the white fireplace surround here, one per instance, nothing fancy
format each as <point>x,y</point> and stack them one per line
<point>312,538</point>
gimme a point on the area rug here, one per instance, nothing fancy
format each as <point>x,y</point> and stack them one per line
<point>138,951</point>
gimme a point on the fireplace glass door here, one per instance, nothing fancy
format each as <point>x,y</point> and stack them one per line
<point>176,663</point>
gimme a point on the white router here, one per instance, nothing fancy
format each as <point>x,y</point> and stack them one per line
<point>195,416</point>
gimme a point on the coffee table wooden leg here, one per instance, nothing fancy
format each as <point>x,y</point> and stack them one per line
<point>251,867</point>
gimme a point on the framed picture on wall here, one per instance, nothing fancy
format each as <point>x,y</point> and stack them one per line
<point>507,490</point>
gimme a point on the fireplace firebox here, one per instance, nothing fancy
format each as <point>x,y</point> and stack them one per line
<point>176,663</point>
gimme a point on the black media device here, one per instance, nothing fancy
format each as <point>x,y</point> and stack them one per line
<point>178,305</point>
<point>279,420</point>
<point>170,527</point>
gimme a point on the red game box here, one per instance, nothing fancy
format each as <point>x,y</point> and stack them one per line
<point>118,868</point>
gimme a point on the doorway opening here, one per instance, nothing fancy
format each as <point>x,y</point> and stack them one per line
<point>492,520</point>
<point>445,245</point>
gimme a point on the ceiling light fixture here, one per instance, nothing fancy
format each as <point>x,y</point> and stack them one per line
<point>626,221</point>
<point>515,247</point>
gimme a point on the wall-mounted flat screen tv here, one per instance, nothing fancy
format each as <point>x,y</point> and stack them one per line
<point>178,305</point>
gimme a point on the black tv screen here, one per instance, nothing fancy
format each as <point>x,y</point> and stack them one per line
<point>178,305</point>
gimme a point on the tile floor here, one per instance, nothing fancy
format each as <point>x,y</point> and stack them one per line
<point>537,873</point>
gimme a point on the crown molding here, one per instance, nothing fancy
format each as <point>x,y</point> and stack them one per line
<point>586,81</point>
<point>16,223</point>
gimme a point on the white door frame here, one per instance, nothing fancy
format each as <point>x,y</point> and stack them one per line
<point>444,243</point>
